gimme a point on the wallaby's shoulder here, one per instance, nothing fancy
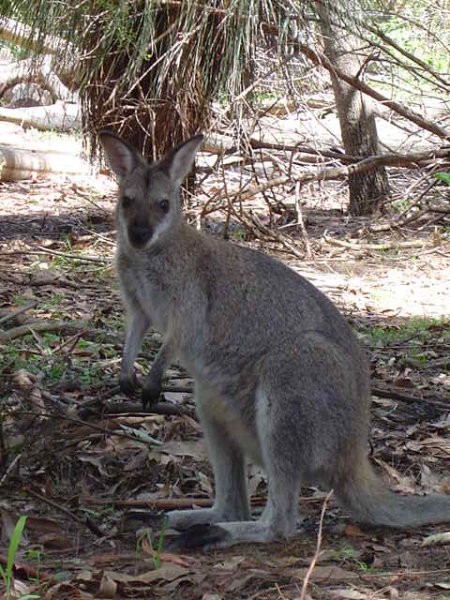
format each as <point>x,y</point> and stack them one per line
<point>234,257</point>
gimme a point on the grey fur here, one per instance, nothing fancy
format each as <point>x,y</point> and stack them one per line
<point>280,378</point>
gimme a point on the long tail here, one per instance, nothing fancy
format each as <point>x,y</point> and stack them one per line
<point>369,501</point>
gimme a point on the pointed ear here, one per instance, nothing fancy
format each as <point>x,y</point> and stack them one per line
<point>122,157</point>
<point>180,160</point>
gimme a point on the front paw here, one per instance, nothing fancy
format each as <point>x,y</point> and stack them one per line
<point>128,386</point>
<point>151,392</point>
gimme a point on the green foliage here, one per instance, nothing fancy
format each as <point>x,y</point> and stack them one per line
<point>35,554</point>
<point>155,551</point>
<point>418,328</point>
<point>42,360</point>
<point>7,572</point>
<point>18,52</point>
<point>422,46</point>
<point>415,339</point>
<point>347,555</point>
<point>343,554</point>
<point>19,300</point>
<point>445,177</point>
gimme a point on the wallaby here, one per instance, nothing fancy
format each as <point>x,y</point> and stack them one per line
<point>280,378</point>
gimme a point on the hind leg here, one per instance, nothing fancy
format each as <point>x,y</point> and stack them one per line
<point>279,518</point>
<point>231,496</point>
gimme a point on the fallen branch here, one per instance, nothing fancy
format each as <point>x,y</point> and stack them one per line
<point>97,404</point>
<point>88,259</point>
<point>160,408</point>
<point>23,35</point>
<point>15,332</point>
<point>102,430</point>
<point>382,246</point>
<point>175,503</point>
<point>87,521</point>
<point>408,398</point>
<point>61,116</point>
<point>328,173</point>
<point>15,313</point>
<point>18,164</point>
<point>216,143</point>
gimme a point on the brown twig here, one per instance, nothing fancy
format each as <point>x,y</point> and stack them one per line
<point>175,503</point>
<point>72,342</point>
<point>89,259</point>
<point>99,428</point>
<point>300,222</point>
<point>318,552</point>
<point>87,522</point>
<point>332,173</point>
<point>383,246</point>
<point>408,398</point>
<point>160,408</point>
<point>275,235</point>
<point>19,311</point>
<point>10,468</point>
<point>63,326</point>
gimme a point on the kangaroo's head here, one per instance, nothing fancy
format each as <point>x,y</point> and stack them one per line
<point>149,193</point>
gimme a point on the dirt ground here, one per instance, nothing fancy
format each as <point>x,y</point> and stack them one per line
<point>89,469</point>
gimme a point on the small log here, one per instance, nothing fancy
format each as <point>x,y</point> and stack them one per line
<point>59,116</point>
<point>18,164</point>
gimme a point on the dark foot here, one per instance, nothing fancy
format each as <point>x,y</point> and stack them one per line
<point>151,393</point>
<point>199,536</point>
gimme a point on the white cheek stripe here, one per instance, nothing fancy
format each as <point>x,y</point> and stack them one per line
<point>160,228</point>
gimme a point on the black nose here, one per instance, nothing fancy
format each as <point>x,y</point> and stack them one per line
<point>139,235</point>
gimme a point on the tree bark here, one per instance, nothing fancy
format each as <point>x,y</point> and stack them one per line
<point>367,190</point>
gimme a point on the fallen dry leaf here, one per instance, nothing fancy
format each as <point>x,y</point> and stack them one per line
<point>326,573</point>
<point>107,587</point>
<point>348,594</point>
<point>192,448</point>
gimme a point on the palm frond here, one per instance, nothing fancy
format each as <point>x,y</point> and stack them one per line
<point>149,69</point>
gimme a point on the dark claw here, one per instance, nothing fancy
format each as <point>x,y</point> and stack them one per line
<point>151,393</point>
<point>198,536</point>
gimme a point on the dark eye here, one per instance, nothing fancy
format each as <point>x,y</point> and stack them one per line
<point>164,206</point>
<point>126,201</point>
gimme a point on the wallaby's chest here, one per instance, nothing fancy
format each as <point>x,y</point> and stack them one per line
<point>143,286</point>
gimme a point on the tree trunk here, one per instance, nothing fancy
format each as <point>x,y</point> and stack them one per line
<point>367,190</point>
